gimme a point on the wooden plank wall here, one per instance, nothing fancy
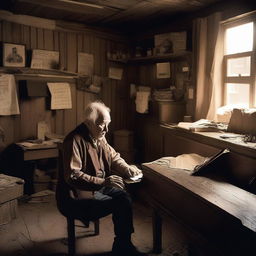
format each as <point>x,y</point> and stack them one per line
<point>114,93</point>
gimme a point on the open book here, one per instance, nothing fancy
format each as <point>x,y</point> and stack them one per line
<point>215,162</point>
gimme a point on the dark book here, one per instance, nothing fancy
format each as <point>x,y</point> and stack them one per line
<point>216,162</point>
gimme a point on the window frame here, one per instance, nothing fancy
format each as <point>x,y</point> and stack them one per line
<point>251,80</point>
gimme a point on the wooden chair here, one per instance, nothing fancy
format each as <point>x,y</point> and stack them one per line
<point>71,233</point>
<point>63,195</point>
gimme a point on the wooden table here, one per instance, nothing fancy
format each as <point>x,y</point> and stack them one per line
<point>37,154</point>
<point>222,214</point>
<point>30,156</point>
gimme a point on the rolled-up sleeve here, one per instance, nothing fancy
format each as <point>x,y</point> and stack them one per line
<point>74,163</point>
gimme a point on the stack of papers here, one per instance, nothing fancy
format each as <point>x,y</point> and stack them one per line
<point>203,125</point>
<point>136,177</point>
<point>37,144</point>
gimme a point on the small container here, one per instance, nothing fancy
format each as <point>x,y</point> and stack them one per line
<point>149,52</point>
<point>187,119</point>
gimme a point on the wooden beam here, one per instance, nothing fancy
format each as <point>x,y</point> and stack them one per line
<point>60,25</point>
<point>27,20</point>
<point>73,6</point>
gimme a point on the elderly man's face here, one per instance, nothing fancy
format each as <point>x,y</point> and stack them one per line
<point>100,128</point>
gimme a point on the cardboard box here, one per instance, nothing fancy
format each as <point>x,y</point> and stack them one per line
<point>171,111</point>
<point>8,211</point>
<point>11,188</point>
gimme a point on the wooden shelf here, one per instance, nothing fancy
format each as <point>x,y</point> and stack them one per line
<point>42,74</point>
<point>156,58</point>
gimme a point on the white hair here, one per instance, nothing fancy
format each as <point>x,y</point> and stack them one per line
<point>94,109</point>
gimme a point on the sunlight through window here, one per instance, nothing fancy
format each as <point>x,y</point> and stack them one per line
<point>237,95</point>
<point>239,38</point>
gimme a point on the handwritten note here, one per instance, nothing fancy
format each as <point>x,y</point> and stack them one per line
<point>8,96</point>
<point>85,63</point>
<point>61,95</point>
<point>141,101</point>
<point>163,70</point>
<point>115,73</point>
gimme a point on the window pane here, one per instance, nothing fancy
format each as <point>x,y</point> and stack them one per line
<point>239,66</point>
<point>237,95</point>
<point>239,38</point>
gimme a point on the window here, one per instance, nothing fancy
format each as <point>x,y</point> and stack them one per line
<point>240,63</point>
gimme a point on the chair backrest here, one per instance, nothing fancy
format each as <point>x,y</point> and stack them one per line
<point>63,190</point>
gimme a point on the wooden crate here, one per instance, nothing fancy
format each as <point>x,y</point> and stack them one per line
<point>11,188</point>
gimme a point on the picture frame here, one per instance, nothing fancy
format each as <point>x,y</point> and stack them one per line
<point>14,55</point>
<point>45,59</point>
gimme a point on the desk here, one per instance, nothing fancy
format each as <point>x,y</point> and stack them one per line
<point>29,157</point>
<point>37,154</point>
<point>220,213</point>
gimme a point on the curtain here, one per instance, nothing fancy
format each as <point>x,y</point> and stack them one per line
<point>208,56</point>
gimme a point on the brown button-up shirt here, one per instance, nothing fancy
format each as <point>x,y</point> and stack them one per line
<point>86,166</point>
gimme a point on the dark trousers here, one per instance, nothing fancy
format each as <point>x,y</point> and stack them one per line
<point>109,201</point>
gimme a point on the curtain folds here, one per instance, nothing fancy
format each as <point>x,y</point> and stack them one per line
<point>208,56</point>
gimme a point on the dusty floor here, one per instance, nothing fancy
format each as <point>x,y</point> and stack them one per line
<point>40,230</point>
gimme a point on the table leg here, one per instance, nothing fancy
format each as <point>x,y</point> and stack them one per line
<point>157,232</point>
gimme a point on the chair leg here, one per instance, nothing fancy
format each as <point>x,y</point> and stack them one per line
<point>71,237</point>
<point>97,227</point>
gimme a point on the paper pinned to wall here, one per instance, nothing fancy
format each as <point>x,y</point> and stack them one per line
<point>85,63</point>
<point>8,96</point>
<point>115,73</point>
<point>163,70</point>
<point>60,95</point>
<point>142,98</point>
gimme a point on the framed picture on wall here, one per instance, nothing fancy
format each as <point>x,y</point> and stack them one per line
<point>14,55</point>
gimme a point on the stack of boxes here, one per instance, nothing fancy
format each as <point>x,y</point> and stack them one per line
<point>123,143</point>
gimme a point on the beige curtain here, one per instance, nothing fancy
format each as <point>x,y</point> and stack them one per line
<point>208,55</point>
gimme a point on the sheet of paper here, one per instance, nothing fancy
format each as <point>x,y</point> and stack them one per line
<point>85,63</point>
<point>42,59</point>
<point>142,99</point>
<point>179,40</point>
<point>60,95</point>
<point>190,93</point>
<point>42,129</point>
<point>8,96</point>
<point>115,73</point>
<point>163,70</point>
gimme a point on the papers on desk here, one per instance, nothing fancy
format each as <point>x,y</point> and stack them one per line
<point>37,144</point>
<point>203,125</point>
<point>186,162</point>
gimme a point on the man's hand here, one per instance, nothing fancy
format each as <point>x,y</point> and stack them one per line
<point>114,181</point>
<point>133,171</point>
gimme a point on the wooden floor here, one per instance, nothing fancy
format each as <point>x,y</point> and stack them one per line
<point>40,230</point>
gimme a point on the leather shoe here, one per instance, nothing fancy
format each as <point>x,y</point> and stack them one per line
<point>125,249</point>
